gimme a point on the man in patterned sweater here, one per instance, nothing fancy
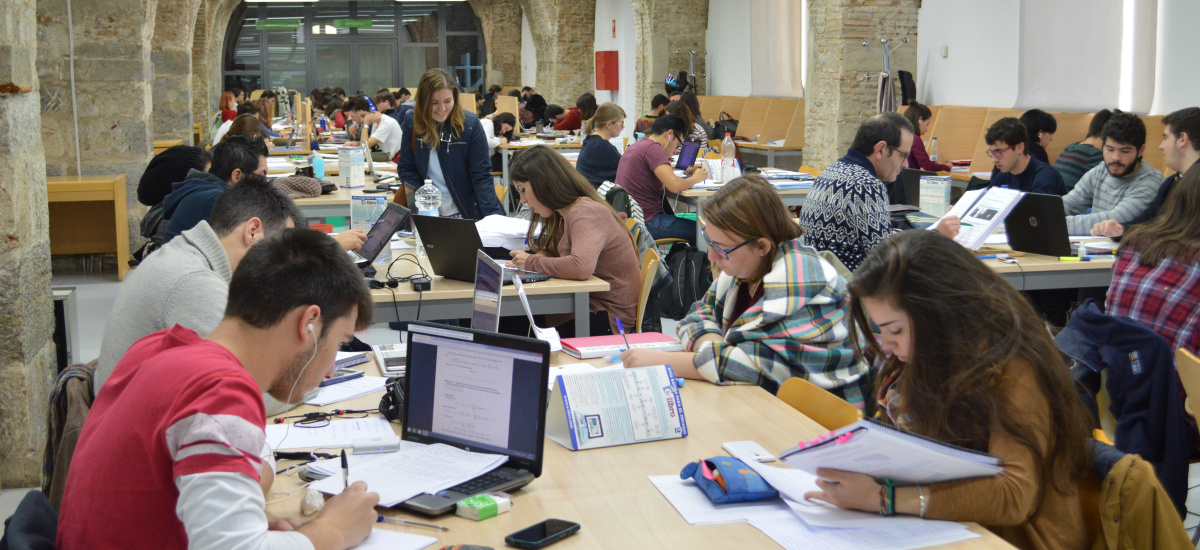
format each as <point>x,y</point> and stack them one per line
<point>1122,188</point>
<point>846,211</point>
<point>168,456</point>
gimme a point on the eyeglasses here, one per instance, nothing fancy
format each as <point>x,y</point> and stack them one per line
<point>724,253</point>
<point>896,150</point>
<point>995,153</point>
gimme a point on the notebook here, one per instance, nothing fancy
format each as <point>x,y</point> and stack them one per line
<point>481,392</point>
<point>489,277</point>
<point>380,234</point>
<point>590,347</point>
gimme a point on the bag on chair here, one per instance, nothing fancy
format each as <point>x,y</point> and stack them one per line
<point>691,276</point>
<point>725,125</point>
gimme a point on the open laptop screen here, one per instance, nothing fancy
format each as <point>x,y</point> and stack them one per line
<point>687,154</point>
<point>477,391</point>
<point>489,277</point>
<point>381,233</point>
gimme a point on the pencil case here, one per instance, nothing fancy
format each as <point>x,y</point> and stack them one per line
<point>726,479</point>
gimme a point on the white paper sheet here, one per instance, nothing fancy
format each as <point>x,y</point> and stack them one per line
<point>697,509</point>
<point>383,539</point>
<point>339,433</point>
<point>347,390</point>
<point>400,476</point>
<point>793,534</point>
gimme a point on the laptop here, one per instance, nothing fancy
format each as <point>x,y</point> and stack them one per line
<point>451,244</point>
<point>687,155</point>
<point>489,278</point>
<point>380,234</point>
<point>1038,225</point>
<point>478,391</point>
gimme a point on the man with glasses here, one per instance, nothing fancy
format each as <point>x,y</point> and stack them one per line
<point>1008,141</point>
<point>847,210</point>
<point>645,172</point>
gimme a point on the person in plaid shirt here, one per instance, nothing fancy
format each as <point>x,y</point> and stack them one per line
<point>1156,278</point>
<point>776,311</point>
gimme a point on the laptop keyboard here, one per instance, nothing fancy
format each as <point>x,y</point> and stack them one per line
<point>486,482</point>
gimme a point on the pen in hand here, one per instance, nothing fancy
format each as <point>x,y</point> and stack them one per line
<point>621,328</point>
<point>398,521</point>
<point>345,471</point>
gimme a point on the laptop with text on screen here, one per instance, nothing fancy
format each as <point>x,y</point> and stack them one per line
<point>478,391</point>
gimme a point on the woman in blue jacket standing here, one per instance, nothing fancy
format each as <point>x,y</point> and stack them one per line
<point>444,144</point>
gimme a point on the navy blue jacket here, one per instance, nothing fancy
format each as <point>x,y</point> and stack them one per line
<point>598,160</point>
<point>190,201</point>
<point>465,162</point>
<point>1144,388</point>
<point>1038,177</point>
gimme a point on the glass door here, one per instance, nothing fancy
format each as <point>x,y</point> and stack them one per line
<point>376,66</point>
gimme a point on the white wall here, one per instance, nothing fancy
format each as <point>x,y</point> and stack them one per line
<point>528,54</point>
<point>625,43</point>
<point>1177,79</point>
<point>728,46</point>
<point>981,68</point>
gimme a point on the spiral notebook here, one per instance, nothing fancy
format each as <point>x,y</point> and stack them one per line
<point>881,451</point>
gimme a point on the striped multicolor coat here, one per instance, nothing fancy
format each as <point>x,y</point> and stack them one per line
<point>799,328</point>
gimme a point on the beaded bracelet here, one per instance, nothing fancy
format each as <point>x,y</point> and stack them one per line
<point>887,498</point>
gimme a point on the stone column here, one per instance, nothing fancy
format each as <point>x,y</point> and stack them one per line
<point>500,21</point>
<point>171,57</point>
<point>664,27</point>
<point>839,97</point>
<point>564,32</point>
<point>112,90</point>
<point>212,20</point>
<point>27,359</point>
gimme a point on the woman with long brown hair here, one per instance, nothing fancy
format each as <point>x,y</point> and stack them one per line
<point>968,362</point>
<point>446,144</point>
<point>1156,278</point>
<point>580,236</point>
<point>248,125</point>
<point>776,311</point>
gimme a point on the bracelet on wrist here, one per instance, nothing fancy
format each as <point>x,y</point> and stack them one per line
<point>923,503</point>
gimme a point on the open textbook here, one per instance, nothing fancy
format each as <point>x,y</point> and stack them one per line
<point>981,212</point>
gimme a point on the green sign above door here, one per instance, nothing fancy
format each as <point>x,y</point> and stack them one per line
<point>279,24</point>
<point>352,23</point>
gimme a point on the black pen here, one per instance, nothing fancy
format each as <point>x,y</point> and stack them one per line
<point>345,471</point>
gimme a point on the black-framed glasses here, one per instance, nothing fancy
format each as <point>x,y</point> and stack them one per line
<point>897,150</point>
<point>723,252</point>
<point>995,153</point>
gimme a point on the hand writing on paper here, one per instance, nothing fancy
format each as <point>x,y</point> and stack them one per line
<point>949,226</point>
<point>346,519</point>
<point>1108,228</point>
<point>643,358</point>
<point>846,490</point>
<point>519,258</point>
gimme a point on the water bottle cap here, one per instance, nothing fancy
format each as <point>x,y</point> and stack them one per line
<point>727,134</point>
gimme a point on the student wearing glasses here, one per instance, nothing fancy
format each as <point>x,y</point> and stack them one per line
<point>447,145</point>
<point>645,172</point>
<point>1007,142</point>
<point>847,210</point>
<point>776,311</point>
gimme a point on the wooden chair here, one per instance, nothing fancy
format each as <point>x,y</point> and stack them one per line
<point>650,261</point>
<point>826,409</point>
<point>634,230</point>
<point>501,192</point>
<point>1188,367</point>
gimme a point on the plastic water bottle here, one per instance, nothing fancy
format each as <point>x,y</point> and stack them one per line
<point>728,156</point>
<point>429,201</point>
<point>318,166</point>
<point>933,150</point>
<point>323,123</point>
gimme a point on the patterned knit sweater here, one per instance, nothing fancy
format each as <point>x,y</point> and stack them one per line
<point>846,211</point>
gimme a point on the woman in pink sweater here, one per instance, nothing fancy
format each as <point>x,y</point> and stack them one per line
<point>580,236</point>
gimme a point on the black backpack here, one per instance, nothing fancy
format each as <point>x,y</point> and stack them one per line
<point>618,197</point>
<point>690,278</point>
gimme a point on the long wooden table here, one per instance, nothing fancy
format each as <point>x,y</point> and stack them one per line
<point>79,226</point>
<point>336,203</point>
<point>1037,272</point>
<point>607,490</point>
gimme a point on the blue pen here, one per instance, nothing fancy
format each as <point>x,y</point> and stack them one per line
<point>621,328</point>
<point>986,256</point>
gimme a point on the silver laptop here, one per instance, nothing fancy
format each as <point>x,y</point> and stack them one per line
<point>489,279</point>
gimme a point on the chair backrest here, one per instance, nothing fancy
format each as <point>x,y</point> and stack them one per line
<point>1188,367</point>
<point>501,192</point>
<point>825,408</point>
<point>650,261</point>
<point>635,229</point>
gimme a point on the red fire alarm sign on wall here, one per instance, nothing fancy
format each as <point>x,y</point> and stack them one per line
<point>606,70</point>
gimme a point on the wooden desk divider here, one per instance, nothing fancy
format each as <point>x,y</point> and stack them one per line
<point>255,94</point>
<point>508,104</point>
<point>754,115</point>
<point>779,119</point>
<point>957,130</point>
<point>505,89</point>
<point>1153,155</point>
<point>795,134</point>
<point>1072,127</point>
<point>733,106</point>
<point>467,99</point>
<point>161,145</point>
<point>980,161</point>
<point>710,106</point>
<point>77,225</point>
<point>934,111</point>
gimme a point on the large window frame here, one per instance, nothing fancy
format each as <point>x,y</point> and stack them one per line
<point>246,15</point>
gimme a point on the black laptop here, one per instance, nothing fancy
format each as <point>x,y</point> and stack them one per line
<point>479,391</point>
<point>451,244</point>
<point>380,235</point>
<point>1038,225</point>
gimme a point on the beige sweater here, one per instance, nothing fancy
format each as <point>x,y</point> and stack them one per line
<point>595,243</point>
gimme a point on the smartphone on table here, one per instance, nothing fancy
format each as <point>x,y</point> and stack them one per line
<point>342,375</point>
<point>541,535</point>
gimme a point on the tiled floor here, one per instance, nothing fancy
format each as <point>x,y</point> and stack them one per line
<point>96,293</point>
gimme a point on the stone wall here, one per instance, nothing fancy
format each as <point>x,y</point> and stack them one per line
<point>500,21</point>
<point>27,358</point>
<point>564,32</point>
<point>664,27</point>
<point>113,73</point>
<point>839,97</point>
<point>171,57</point>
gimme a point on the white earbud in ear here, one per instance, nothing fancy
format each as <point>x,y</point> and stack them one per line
<point>310,328</point>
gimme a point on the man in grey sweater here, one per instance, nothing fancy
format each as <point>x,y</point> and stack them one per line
<point>186,282</point>
<point>1122,187</point>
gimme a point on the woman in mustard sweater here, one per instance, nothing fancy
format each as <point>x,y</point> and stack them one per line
<point>575,234</point>
<point>968,362</point>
